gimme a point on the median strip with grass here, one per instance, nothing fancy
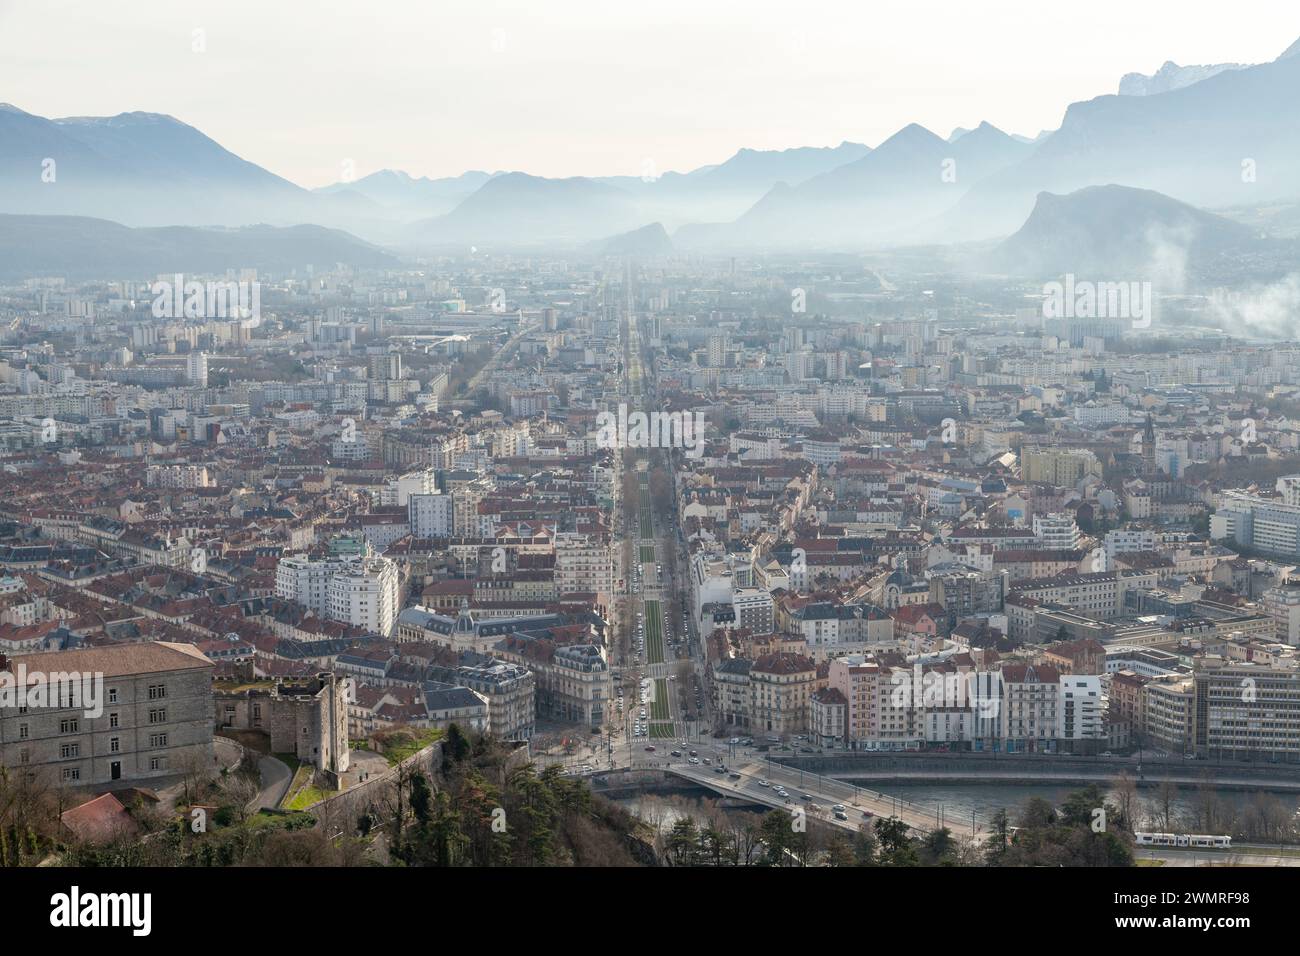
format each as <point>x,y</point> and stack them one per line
<point>654,630</point>
<point>659,706</point>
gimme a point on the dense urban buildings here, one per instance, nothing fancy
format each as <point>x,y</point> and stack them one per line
<point>517,520</point>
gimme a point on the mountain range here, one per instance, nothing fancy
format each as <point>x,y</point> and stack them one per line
<point>1212,137</point>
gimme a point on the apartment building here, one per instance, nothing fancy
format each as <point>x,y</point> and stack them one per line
<point>1100,595</point>
<point>1082,712</point>
<point>509,689</point>
<point>828,712</point>
<point>1245,709</point>
<point>1056,532</point>
<point>1031,707</point>
<point>584,563</point>
<point>729,688</point>
<point>754,610</point>
<point>358,590</point>
<point>573,681</point>
<point>1282,604</point>
<point>781,687</point>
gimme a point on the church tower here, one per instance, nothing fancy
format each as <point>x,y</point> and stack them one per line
<point>1149,448</point>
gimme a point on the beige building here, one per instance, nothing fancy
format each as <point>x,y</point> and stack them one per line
<point>1167,712</point>
<point>781,686</point>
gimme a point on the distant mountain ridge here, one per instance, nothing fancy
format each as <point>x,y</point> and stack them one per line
<point>911,175</point>
<point>1171,76</point>
<point>79,246</point>
<point>1108,230</point>
<point>647,242</point>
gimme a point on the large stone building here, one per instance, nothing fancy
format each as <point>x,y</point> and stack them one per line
<point>153,718</point>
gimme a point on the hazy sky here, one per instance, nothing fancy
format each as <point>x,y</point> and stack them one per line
<point>571,87</point>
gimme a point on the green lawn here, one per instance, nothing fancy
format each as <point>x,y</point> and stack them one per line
<point>301,781</point>
<point>659,706</point>
<point>662,732</point>
<point>307,796</point>
<point>647,554</point>
<point>654,631</point>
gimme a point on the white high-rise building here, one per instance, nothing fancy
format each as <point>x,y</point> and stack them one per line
<point>365,594</point>
<point>430,515</point>
<point>360,591</point>
<point>1056,532</point>
<point>1082,708</point>
<point>196,369</point>
<point>400,489</point>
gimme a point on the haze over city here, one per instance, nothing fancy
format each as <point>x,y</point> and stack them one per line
<point>622,439</point>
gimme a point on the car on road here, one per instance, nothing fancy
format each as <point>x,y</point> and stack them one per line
<point>694,753</point>
<point>839,808</point>
<point>650,748</point>
<point>734,775</point>
<point>867,814</point>
<point>676,753</point>
<point>764,783</point>
<point>841,815</point>
<point>814,807</point>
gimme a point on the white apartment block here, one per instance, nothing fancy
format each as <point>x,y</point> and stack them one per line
<point>1121,541</point>
<point>1056,532</point>
<point>1083,708</point>
<point>360,591</point>
<point>177,476</point>
<point>430,515</point>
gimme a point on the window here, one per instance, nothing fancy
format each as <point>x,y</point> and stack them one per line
<point>22,731</point>
<point>114,745</point>
<point>112,695</point>
<point>69,725</point>
<point>157,740</point>
<point>71,773</point>
<point>68,751</point>
<point>112,720</point>
<point>157,691</point>
<point>157,763</point>
<point>24,755</point>
<point>157,715</point>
